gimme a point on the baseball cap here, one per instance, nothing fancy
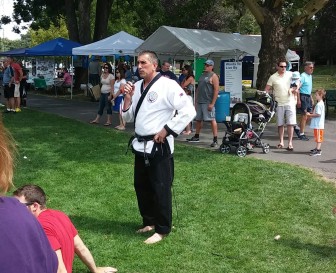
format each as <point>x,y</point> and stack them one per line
<point>209,62</point>
<point>296,75</point>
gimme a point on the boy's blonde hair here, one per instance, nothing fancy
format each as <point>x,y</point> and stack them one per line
<point>321,92</point>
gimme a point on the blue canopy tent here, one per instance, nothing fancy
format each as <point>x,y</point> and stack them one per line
<point>14,52</point>
<point>55,47</point>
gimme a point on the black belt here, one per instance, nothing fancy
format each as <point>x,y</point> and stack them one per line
<point>144,138</point>
<point>305,95</point>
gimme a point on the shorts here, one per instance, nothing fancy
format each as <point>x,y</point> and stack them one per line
<point>17,90</point>
<point>9,91</point>
<point>202,112</point>
<point>286,115</point>
<point>306,104</point>
<point>117,104</point>
<point>318,135</point>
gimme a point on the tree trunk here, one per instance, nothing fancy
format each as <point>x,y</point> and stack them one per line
<point>103,11</point>
<point>274,46</point>
<point>71,20</point>
<point>84,22</point>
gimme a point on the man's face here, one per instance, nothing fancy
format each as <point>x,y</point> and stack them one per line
<point>165,67</point>
<point>309,69</point>
<point>30,206</point>
<point>208,67</point>
<point>145,67</point>
<point>282,67</point>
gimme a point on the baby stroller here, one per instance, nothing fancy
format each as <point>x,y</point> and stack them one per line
<point>240,132</point>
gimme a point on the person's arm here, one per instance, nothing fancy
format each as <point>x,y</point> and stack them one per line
<point>215,82</point>
<point>186,82</point>
<point>86,257</point>
<point>61,267</point>
<point>112,88</point>
<point>84,254</point>
<point>120,91</point>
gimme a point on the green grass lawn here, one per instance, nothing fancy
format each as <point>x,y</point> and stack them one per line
<point>228,209</point>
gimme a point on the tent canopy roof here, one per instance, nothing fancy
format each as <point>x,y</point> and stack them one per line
<point>187,43</point>
<point>182,42</point>
<point>55,47</point>
<point>14,52</point>
<point>120,43</point>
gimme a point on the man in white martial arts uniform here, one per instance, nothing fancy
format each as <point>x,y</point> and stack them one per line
<point>160,110</point>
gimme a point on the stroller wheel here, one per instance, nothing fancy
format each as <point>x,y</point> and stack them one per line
<point>265,148</point>
<point>241,151</point>
<point>225,149</point>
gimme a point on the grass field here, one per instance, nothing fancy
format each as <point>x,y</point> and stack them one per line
<point>227,211</point>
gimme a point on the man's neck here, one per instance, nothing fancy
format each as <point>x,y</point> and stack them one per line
<point>148,79</point>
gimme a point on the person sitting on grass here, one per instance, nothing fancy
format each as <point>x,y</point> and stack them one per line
<point>59,229</point>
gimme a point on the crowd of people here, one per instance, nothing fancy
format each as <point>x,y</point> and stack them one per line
<point>161,107</point>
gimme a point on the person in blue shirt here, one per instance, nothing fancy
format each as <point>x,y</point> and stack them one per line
<point>305,100</point>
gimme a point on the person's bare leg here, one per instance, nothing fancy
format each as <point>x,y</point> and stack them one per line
<point>281,130</point>
<point>290,131</point>
<point>214,128</point>
<point>145,229</point>
<point>96,120</point>
<point>11,103</point>
<point>17,102</point>
<point>199,124</point>
<point>155,238</point>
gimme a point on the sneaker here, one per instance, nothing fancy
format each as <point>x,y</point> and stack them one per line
<point>316,152</point>
<point>17,110</point>
<point>297,132</point>
<point>313,150</point>
<point>303,137</point>
<point>7,111</point>
<point>193,139</point>
<point>214,144</point>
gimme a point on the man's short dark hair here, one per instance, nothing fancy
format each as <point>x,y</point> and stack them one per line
<point>32,193</point>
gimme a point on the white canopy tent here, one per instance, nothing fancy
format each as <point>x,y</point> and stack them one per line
<point>188,44</point>
<point>182,43</point>
<point>120,43</point>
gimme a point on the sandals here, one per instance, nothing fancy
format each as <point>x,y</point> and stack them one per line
<point>280,146</point>
<point>107,124</point>
<point>94,122</point>
<point>290,148</point>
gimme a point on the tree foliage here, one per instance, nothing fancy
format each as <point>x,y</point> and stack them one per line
<point>279,21</point>
<point>324,34</point>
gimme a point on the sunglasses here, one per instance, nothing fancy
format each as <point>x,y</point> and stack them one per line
<point>105,67</point>
<point>117,72</point>
<point>282,66</point>
<point>28,204</point>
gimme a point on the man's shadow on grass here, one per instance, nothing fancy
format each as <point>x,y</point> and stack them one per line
<point>324,251</point>
<point>104,226</point>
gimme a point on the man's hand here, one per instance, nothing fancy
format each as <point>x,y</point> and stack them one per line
<point>106,270</point>
<point>161,136</point>
<point>128,89</point>
<point>210,106</point>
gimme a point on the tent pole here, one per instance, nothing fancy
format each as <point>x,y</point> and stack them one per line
<point>72,75</point>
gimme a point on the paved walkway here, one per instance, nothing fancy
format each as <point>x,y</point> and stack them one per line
<point>325,164</point>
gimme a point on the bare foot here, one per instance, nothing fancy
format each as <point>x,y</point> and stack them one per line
<point>155,238</point>
<point>106,269</point>
<point>145,229</point>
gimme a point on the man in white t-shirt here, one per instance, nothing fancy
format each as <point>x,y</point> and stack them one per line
<point>286,109</point>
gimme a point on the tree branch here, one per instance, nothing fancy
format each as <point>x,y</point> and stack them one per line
<point>256,10</point>
<point>308,11</point>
